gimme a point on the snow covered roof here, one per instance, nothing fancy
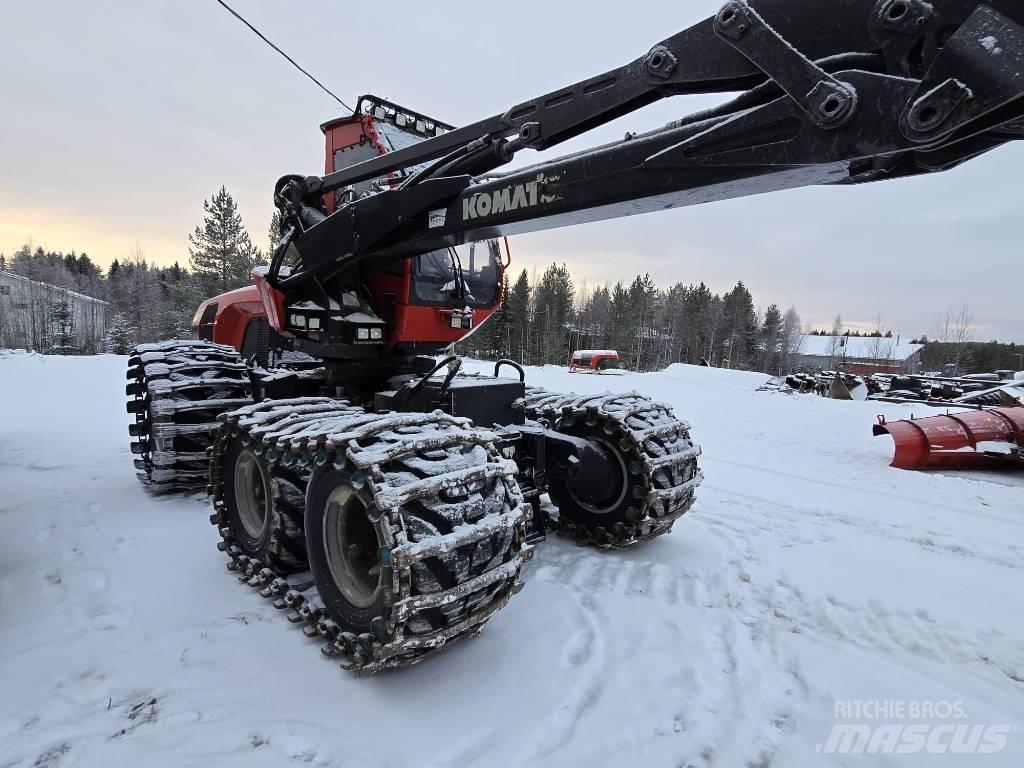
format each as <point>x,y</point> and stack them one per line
<point>858,347</point>
<point>67,291</point>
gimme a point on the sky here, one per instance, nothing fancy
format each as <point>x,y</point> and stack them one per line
<point>120,117</point>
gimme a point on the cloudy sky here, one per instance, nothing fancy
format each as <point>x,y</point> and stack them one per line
<point>120,117</point>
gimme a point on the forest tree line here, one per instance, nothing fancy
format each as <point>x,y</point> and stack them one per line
<point>542,320</point>
<point>147,302</point>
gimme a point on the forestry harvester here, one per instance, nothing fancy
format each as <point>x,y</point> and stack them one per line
<point>388,501</point>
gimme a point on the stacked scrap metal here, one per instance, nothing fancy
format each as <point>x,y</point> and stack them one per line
<point>837,385</point>
<point>977,391</point>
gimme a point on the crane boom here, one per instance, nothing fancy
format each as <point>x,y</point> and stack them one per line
<point>884,89</point>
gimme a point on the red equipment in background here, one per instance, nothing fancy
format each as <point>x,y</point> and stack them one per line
<point>594,361</point>
<point>990,438</point>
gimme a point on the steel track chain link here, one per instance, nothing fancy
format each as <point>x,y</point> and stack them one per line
<point>161,375</point>
<point>663,457</point>
<point>308,432</point>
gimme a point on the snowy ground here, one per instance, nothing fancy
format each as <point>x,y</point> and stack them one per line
<point>808,576</point>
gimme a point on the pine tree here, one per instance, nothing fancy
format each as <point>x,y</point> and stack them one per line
<point>554,304</point>
<point>518,301</point>
<point>274,233</point>
<point>643,304</point>
<point>61,338</point>
<point>622,322</point>
<point>593,320</point>
<point>769,341</point>
<point>119,335</point>
<point>739,327</point>
<point>221,253</point>
<point>497,332</point>
<point>180,294</point>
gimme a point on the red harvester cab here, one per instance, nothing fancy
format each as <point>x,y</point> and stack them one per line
<point>415,297</point>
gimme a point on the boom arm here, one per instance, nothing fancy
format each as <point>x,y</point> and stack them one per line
<point>834,92</point>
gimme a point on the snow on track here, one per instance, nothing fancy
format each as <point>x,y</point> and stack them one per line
<point>807,572</point>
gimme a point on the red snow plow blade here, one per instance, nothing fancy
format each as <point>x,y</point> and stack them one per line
<point>987,439</point>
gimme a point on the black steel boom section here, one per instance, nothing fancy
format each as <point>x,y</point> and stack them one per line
<point>833,91</point>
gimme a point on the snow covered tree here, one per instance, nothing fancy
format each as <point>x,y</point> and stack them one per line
<point>119,335</point>
<point>769,339</point>
<point>955,327</point>
<point>792,340</point>
<point>880,349</point>
<point>837,343</point>
<point>221,253</point>
<point>60,338</point>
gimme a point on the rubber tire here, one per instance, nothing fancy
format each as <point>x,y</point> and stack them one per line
<point>352,618</point>
<point>423,518</point>
<point>281,545</point>
<point>569,508</point>
<point>186,474</point>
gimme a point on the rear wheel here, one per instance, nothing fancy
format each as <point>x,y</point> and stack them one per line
<point>642,478</point>
<point>414,524</point>
<point>264,509</point>
<point>613,499</point>
<point>176,392</point>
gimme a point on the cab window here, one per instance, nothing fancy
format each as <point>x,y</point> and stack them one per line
<point>435,276</point>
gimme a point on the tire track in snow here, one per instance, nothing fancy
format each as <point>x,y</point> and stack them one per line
<point>886,495</point>
<point>796,519</point>
<point>737,679</point>
<point>868,625</point>
<point>586,653</point>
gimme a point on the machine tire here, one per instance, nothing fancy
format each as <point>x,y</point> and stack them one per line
<point>652,450</point>
<point>620,507</point>
<point>325,486</point>
<point>435,512</point>
<point>422,519</point>
<point>276,539</point>
<point>176,391</point>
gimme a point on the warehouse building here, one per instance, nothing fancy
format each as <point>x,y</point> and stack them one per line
<point>860,355</point>
<point>41,317</point>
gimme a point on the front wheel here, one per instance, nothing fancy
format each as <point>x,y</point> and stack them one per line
<point>413,522</point>
<point>344,539</point>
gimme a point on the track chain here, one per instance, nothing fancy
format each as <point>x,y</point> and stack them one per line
<point>176,391</point>
<point>659,449</point>
<point>306,433</point>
